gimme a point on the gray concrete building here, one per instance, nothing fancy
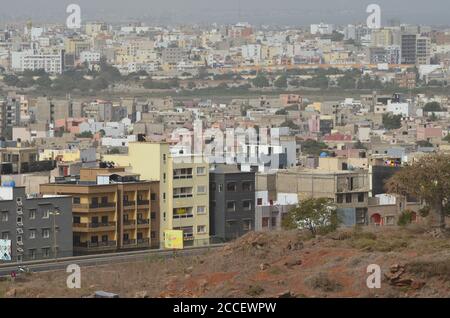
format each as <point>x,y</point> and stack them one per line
<point>37,227</point>
<point>232,202</point>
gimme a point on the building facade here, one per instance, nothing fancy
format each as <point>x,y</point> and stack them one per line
<point>38,228</point>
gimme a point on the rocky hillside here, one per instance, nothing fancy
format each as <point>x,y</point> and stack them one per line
<point>414,263</point>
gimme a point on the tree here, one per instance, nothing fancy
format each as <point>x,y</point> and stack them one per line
<point>427,179</point>
<point>424,143</point>
<point>315,215</point>
<point>85,134</point>
<point>312,147</point>
<point>281,112</point>
<point>281,82</point>
<point>290,124</point>
<point>392,121</point>
<point>260,81</point>
<point>432,107</point>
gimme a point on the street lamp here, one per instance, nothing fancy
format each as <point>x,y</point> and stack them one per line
<point>55,212</point>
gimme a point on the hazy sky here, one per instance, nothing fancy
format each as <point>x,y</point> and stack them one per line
<point>282,12</point>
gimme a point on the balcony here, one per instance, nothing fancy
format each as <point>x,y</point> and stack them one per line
<point>182,195</point>
<point>95,246</point>
<point>99,207</point>
<point>128,243</point>
<point>143,202</point>
<point>127,205</point>
<point>143,223</point>
<point>94,227</point>
<point>183,216</point>
<point>129,224</point>
<point>182,176</point>
<point>143,242</point>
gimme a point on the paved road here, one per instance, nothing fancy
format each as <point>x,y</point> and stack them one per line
<point>93,260</point>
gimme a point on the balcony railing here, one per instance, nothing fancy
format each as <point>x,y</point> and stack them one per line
<point>183,176</point>
<point>129,203</point>
<point>183,216</point>
<point>182,195</point>
<point>100,225</point>
<point>143,202</point>
<point>102,205</point>
<point>129,222</point>
<point>129,242</point>
<point>143,221</point>
<point>144,241</point>
<point>96,244</point>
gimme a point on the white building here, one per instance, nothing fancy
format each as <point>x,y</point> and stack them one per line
<point>398,108</point>
<point>52,63</point>
<point>90,57</point>
<point>251,52</point>
<point>322,28</point>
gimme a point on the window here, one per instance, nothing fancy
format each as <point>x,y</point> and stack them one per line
<point>201,210</point>
<point>19,239</point>
<point>32,254</point>
<point>201,189</point>
<point>45,214</point>
<point>104,200</point>
<point>231,186</point>
<point>5,235</point>
<point>201,171</point>
<point>94,239</point>
<point>247,225</point>
<point>265,222</point>
<point>5,216</point>
<point>32,234</point>
<point>246,186</point>
<point>220,187</point>
<point>340,198</point>
<point>348,198</point>
<point>201,229</point>
<point>274,221</point>
<point>259,201</point>
<point>247,205</point>
<point>105,219</point>
<point>45,233</point>
<point>76,200</point>
<point>231,206</point>
<point>46,252</point>
<point>76,220</point>
<point>153,196</point>
<point>126,236</point>
<point>105,238</point>
<point>153,234</point>
<point>32,214</point>
<point>153,215</point>
<point>360,197</point>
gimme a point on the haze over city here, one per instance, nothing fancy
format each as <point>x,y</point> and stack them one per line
<point>292,12</point>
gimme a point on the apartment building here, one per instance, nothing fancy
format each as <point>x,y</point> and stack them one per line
<point>50,110</point>
<point>112,210</point>
<point>14,160</point>
<point>349,189</point>
<point>33,60</point>
<point>36,227</point>
<point>184,187</point>
<point>232,202</point>
<point>10,109</point>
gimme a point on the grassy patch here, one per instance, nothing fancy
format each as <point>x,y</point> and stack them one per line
<point>430,269</point>
<point>323,283</point>
<point>254,290</point>
<point>371,245</point>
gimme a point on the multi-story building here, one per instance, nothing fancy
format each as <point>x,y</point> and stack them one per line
<point>37,227</point>
<point>112,210</point>
<point>349,189</point>
<point>423,51</point>
<point>408,48</point>
<point>9,115</point>
<point>35,59</point>
<point>50,110</point>
<point>184,187</point>
<point>232,202</point>
<point>14,160</point>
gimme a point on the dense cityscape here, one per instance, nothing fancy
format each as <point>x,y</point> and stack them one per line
<point>141,139</point>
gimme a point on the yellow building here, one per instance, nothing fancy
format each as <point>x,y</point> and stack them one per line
<point>184,187</point>
<point>64,155</point>
<point>112,210</point>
